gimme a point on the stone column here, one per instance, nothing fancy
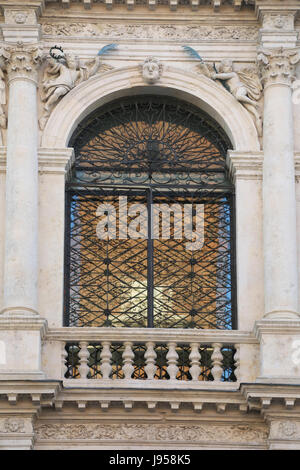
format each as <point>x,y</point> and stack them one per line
<point>21,225</point>
<point>21,328</point>
<point>279,200</point>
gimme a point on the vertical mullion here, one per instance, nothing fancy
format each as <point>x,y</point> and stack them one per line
<point>67,256</point>
<point>150,279</point>
<point>233,260</point>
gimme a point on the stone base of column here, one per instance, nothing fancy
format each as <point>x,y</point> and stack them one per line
<point>20,346</point>
<point>282,315</point>
<point>279,350</point>
<point>18,312</point>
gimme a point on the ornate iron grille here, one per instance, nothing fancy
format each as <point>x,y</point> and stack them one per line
<point>168,158</point>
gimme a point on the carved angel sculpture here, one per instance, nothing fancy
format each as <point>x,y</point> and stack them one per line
<point>64,72</point>
<point>245,85</point>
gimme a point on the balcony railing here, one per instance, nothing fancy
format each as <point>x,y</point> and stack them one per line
<point>121,357</point>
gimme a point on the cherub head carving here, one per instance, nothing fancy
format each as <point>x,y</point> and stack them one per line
<point>225,66</point>
<point>278,21</point>
<point>151,70</point>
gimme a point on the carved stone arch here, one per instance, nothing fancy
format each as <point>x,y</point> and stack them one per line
<point>188,86</point>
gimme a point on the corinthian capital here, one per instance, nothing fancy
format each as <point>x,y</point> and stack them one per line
<point>277,65</point>
<point>21,61</point>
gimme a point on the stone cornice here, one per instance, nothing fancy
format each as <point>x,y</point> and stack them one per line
<point>174,398</point>
<point>57,161</point>
<point>23,322</point>
<point>215,5</point>
<point>41,392</point>
<point>158,335</point>
<point>245,165</point>
<point>276,327</point>
<point>267,396</point>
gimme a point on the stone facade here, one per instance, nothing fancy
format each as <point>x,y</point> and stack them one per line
<point>51,77</point>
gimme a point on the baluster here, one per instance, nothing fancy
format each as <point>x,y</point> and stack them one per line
<point>217,357</point>
<point>106,360</point>
<point>64,357</point>
<point>172,358</point>
<point>236,359</point>
<point>83,358</point>
<point>128,356</point>
<point>195,361</point>
<point>150,356</point>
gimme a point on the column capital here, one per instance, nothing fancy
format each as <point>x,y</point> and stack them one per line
<point>277,65</point>
<point>21,61</point>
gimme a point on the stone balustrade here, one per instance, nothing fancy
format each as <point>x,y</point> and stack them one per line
<point>118,357</point>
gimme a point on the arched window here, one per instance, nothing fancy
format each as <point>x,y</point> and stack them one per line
<point>150,219</point>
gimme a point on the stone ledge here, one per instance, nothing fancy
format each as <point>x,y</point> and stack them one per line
<point>143,334</point>
<point>23,322</point>
<point>276,327</point>
<point>41,392</point>
<point>57,161</point>
<point>263,395</point>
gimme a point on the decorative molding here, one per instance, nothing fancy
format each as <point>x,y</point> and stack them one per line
<point>204,433</point>
<point>12,425</point>
<point>70,29</point>
<point>277,66</point>
<point>285,429</point>
<point>150,31</point>
<point>20,16</point>
<point>278,21</point>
